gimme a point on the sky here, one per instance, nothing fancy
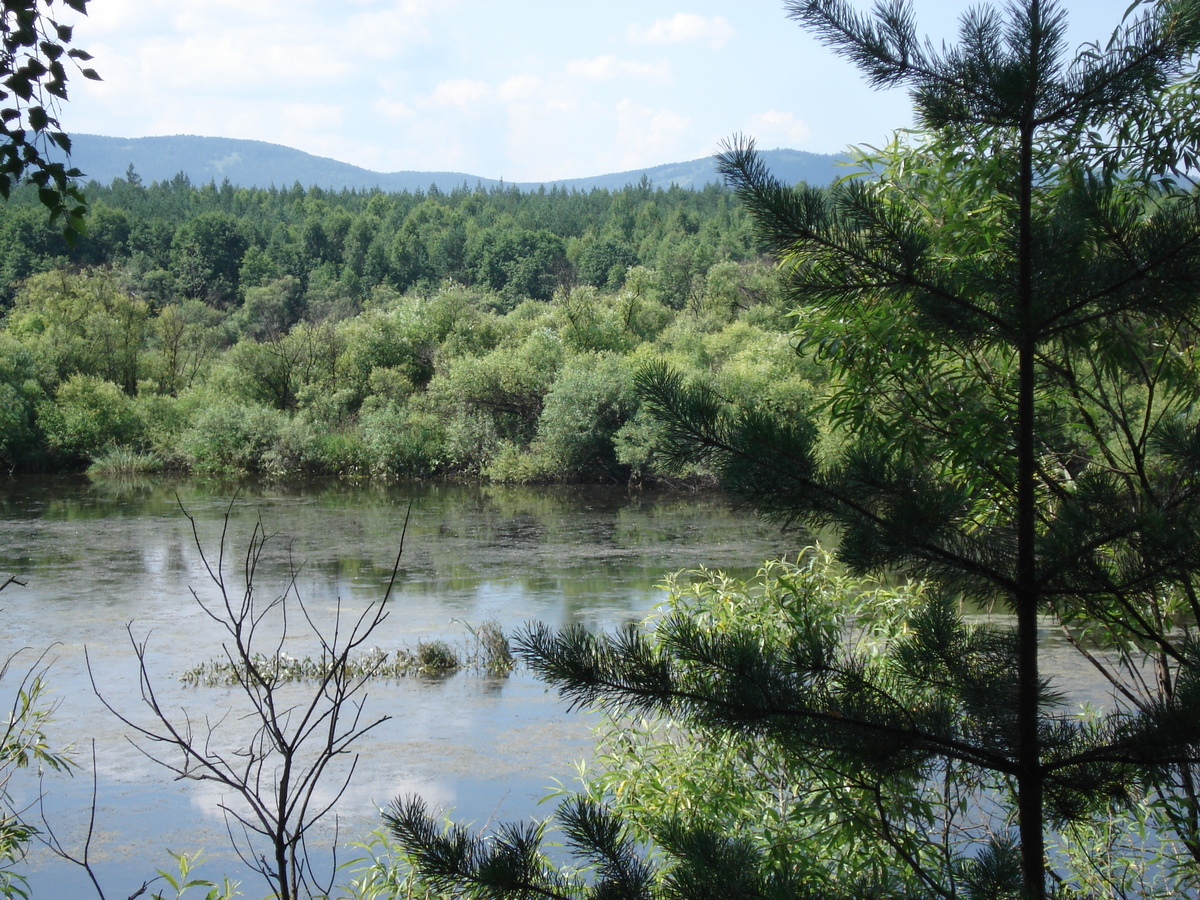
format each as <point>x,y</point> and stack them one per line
<point>525,90</point>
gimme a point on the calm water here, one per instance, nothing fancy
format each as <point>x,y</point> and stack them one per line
<point>101,558</point>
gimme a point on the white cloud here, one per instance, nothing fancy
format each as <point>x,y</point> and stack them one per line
<point>459,92</point>
<point>645,135</point>
<point>519,87</point>
<point>393,109</point>
<point>390,29</point>
<point>684,28</point>
<point>434,146</point>
<point>455,91</point>
<point>312,116</point>
<point>608,67</point>
<point>778,129</point>
<point>271,43</point>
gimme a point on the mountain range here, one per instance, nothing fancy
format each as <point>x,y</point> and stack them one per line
<point>262,164</point>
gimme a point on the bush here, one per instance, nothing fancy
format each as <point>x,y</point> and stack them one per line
<point>604,263</point>
<point>342,453</point>
<point>661,773</point>
<point>589,322</point>
<point>166,418</point>
<point>588,403</point>
<point>296,449</point>
<point>403,440</point>
<point>387,341</point>
<point>471,441</point>
<point>495,653</point>
<point>230,437</point>
<point>514,465</point>
<point>87,416</point>
<point>507,385</point>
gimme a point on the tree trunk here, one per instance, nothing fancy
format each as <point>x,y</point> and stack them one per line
<point>1029,764</point>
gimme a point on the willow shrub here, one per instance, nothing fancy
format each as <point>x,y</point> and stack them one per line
<point>230,437</point>
<point>589,402</point>
<point>659,773</point>
<point>402,440</point>
<point>87,416</point>
<point>20,393</point>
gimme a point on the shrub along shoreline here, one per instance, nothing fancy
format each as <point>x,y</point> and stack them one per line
<point>227,332</point>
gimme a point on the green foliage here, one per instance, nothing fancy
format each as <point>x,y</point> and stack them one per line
<point>20,393</point>
<point>489,654</point>
<point>508,385</point>
<point>799,812</point>
<point>33,81</point>
<point>495,653</point>
<point>587,405</point>
<point>81,323</point>
<point>403,440</point>
<point>206,258</point>
<point>1007,316</point>
<point>181,880</point>
<point>603,263</point>
<point>386,340</point>
<point>430,245</point>
<point>274,371</point>
<point>436,657</point>
<point>88,416</point>
<point>1127,852</point>
<point>24,744</point>
<point>731,286</point>
<point>293,300</point>
<point>227,437</point>
<point>518,262</point>
<point>271,309</point>
<point>185,338</point>
<point>124,461</point>
<point>592,323</point>
<point>29,245</point>
<point>380,871</point>
<point>473,386</point>
<point>681,268</point>
<point>705,757</point>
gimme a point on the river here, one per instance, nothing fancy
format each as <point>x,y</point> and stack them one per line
<point>103,561</point>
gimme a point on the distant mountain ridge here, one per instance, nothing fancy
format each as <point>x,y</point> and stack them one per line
<point>262,164</point>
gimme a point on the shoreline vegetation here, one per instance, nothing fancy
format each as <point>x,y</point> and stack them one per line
<point>483,334</point>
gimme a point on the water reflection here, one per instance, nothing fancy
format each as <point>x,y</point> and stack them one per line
<point>98,556</point>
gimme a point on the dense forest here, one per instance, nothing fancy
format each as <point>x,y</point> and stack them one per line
<point>477,333</point>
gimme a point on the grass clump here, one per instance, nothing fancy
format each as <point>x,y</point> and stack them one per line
<point>493,654</point>
<point>436,657</point>
<point>125,461</point>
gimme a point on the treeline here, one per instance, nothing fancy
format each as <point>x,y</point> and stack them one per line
<point>475,333</point>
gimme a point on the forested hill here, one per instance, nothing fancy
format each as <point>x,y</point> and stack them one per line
<point>261,164</point>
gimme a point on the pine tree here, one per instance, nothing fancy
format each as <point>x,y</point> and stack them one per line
<point>1008,307</point>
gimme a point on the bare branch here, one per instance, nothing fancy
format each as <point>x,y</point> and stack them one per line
<point>276,771</point>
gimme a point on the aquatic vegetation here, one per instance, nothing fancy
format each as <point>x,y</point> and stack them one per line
<point>486,653</point>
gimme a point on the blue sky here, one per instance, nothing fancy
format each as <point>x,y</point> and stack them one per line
<point>526,90</point>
